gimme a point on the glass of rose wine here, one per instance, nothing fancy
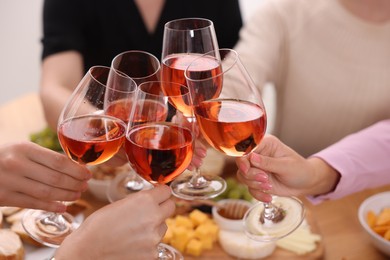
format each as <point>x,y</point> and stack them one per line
<point>128,69</point>
<point>234,123</point>
<point>88,136</point>
<point>183,41</point>
<point>160,136</point>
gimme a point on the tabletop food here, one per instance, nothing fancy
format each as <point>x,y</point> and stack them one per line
<point>374,217</point>
<point>48,138</point>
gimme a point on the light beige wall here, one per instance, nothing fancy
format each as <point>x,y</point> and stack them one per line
<point>20,30</point>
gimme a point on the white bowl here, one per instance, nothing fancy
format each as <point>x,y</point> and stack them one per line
<point>227,223</point>
<point>375,203</point>
<point>102,175</point>
<point>98,188</point>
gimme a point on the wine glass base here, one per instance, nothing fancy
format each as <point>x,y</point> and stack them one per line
<point>213,186</point>
<point>125,184</point>
<point>166,252</point>
<point>271,230</point>
<point>39,227</point>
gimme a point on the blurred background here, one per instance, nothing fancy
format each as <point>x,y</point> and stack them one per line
<point>20,48</point>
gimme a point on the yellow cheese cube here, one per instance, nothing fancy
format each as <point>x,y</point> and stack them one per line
<point>198,217</point>
<point>181,236</point>
<point>207,243</point>
<point>194,247</point>
<point>184,221</point>
<point>170,222</point>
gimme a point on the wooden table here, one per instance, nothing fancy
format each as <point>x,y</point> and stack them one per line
<point>337,221</point>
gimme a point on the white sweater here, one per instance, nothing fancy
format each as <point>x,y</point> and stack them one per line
<point>331,69</point>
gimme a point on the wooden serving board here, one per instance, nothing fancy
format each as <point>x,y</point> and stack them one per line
<point>218,253</point>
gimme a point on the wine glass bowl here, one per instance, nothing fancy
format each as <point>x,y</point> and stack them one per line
<point>128,70</point>
<point>140,66</point>
<point>183,41</point>
<point>233,121</point>
<point>89,137</point>
<point>160,137</point>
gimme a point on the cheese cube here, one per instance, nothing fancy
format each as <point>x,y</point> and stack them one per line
<point>168,236</point>
<point>198,217</point>
<point>181,236</point>
<point>184,221</point>
<point>207,243</point>
<point>194,247</point>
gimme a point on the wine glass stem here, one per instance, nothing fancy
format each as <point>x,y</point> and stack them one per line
<point>197,180</point>
<point>56,221</point>
<point>271,213</point>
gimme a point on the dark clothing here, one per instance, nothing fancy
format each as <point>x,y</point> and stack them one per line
<point>101,29</point>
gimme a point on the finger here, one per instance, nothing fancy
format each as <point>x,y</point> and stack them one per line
<point>59,162</point>
<point>243,163</point>
<point>260,195</point>
<point>167,208</point>
<point>53,178</point>
<point>162,229</point>
<point>270,164</point>
<point>160,193</point>
<point>24,201</point>
<point>259,183</point>
<point>40,190</point>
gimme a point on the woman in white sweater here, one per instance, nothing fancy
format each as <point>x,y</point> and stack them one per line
<point>329,61</point>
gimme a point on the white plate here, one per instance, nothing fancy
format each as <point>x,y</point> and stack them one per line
<point>43,253</point>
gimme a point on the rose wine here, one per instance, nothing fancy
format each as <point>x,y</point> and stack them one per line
<point>231,126</point>
<point>91,139</point>
<point>173,67</point>
<point>159,152</point>
<point>121,109</point>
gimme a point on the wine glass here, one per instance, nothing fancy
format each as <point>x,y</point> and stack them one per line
<point>234,123</point>
<point>160,137</point>
<point>128,69</point>
<point>88,136</point>
<point>183,41</point>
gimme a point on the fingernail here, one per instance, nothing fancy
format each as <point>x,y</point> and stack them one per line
<point>243,168</point>
<point>255,158</point>
<point>266,186</point>
<point>261,178</point>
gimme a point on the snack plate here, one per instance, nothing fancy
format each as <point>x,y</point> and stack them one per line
<point>43,253</point>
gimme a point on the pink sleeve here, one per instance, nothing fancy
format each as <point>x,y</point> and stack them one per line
<point>362,159</point>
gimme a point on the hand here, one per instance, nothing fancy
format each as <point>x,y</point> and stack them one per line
<point>130,228</point>
<point>275,168</point>
<point>200,153</point>
<point>35,177</point>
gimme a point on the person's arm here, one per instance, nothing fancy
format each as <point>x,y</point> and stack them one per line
<point>60,75</point>
<point>64,26</point>
<point>130,228</point>
<point>357,162</point>
<point>362,159</point>
<point>274,168</point>
<point>35,177</point>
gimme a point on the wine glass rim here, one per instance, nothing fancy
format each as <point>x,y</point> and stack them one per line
<point>168,24</point>
<point>93,76</point>
<point>235,60</point>
<point>140,88</point>
<point>153,57</point>
<point>104,84</point>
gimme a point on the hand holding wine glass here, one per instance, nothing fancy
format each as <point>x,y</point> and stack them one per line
<point>88,137</point>
<point>234,123</point>
<point>159,137</point>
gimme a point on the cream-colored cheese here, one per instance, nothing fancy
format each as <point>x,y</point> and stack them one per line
<point>10,243</point>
